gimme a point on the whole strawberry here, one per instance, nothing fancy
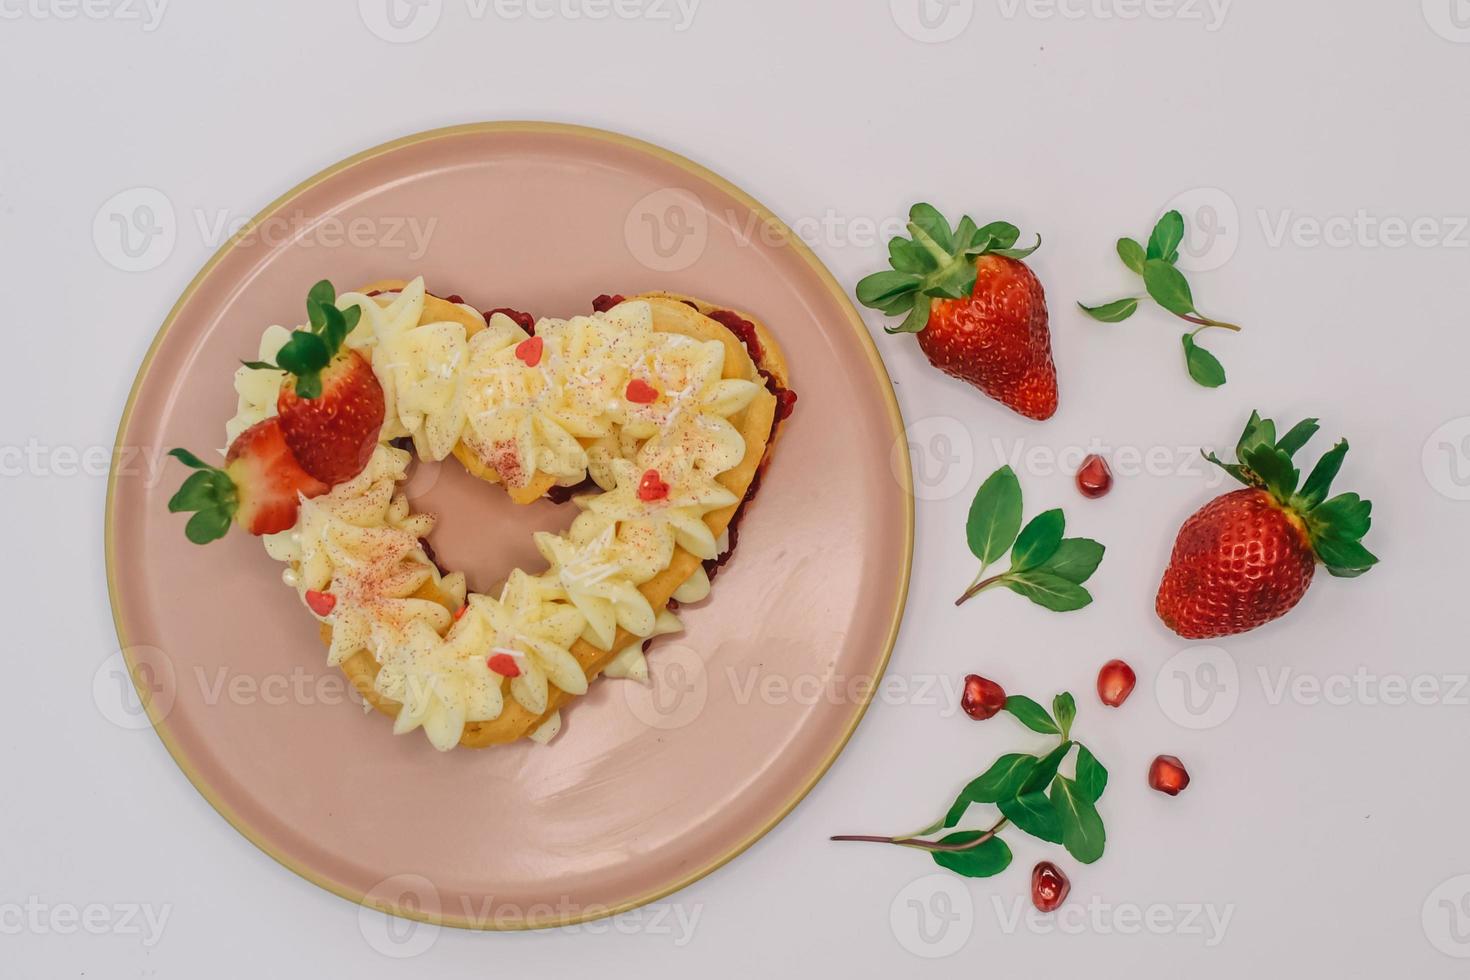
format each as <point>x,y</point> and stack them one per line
<point>331,407</point>
<point>1247,557</point>
<point>978,309</point>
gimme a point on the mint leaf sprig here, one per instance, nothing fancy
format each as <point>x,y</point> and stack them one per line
<point>1046,567</point>
<point>309,351</point>
<point>1166,284</point>
<point>1030,793</point>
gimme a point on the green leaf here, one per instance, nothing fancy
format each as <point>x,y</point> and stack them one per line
<point>1114,312</point>
<point>1205,368</point>
<point>1046,770</point>
<point>1163,244</point>
<point>1274,469</point>
<point>1075,559</point>
<point>1258,432</point>
<point>995,516</point>
<point>1298,436</point>
<point>909,256</point>
<point>953,281</point>
<point>1038,540</point>
<point>199,491</point>
<point>1346,516</point>
<point>1234,469</point>
<point>1319,481</point>
<point>304,353</point>
<point>1132,254</point>
<point>335,330</point>
<point>207,525</point>
<point>189,459</point>
<point>984,861</point>
<point>1064,709</point>
<point>1031,714</point>
<point>928,220</point>
<point>1092,778</point>
<point>1002,235</point>
<point>1343,558</point>
<point>879,289</point>
<point>1018,253</point>
<point>1168,287</point>
<point>918,316</point>
<point>309,386</point>
<point>1001,781</point>
<point>260,365</point>
<point>1082,829</point>
<point>1048,590</point>
<point>1034,814</point>
<point>320,296</point>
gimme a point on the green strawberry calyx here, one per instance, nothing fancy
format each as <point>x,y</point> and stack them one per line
<point>1335,525</point>
<point>210,494</point>
<point>311,349</point>
<point>936,261</point>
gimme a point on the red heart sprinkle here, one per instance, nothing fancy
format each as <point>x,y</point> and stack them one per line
<point>651,488</point>
<point>504,664</point>
<point>529,351</point>
<point>640,392</point>
<point>459,613</point>
<point>321,603</point>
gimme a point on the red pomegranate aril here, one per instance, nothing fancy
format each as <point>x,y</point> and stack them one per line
<point>982,698</point>
<point>1115,682</point>
<point>1094,479</point>
<point>1167,775</point>
<point>1049,887</point>
<point>504,664</point>
<point>652,487</point>
<point>529,351</point>
<point>640,392</point>
<point>606,301</point>
<point>321,603</point>
<point>523,320</point>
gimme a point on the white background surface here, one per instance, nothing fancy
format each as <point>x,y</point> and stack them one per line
<point>1329,829</point>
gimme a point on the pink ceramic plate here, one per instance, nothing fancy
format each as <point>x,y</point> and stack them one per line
<point>647,788</point>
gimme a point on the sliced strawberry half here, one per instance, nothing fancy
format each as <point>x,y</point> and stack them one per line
<point>260,486</point>
<point>332,413</point>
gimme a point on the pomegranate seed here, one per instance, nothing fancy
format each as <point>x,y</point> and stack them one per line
<point>640,392</point>
<point>982,698</point>
<point>529,351</point>
<point>652,488</point>
<point>504,665</point>
<point>1167,775</point>
<point>321,603</point>
<point>1049,887</point>
<point>1115,682</point>
<point>785,403</point>
<point>1094,479</point>
<point>605,302</point>
<point>523,320</point>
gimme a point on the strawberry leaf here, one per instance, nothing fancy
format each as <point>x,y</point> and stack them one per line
<point>1038,540</point>
<point>1031,714</point>
<point>1075,559</point>
<point>883,287</point>
<point>1205,368</point>
<point>1163,244</point>
<point>1168,287</point>
<point>1274,469</point>
<point>1114,312</point>
<point>1234,469</point>
<point>1132,254</point>
<point>1319,481</point>
<point>1344,559</point>
<point>982,861</point>
<point>1002,234</point>
<point>995,516</point>
<point>917,319</point>
<point>1346,516</point>
<point>1049,591</point>
<point>260,365</point>
<point>909,256</point>
<point>1298,436</point>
